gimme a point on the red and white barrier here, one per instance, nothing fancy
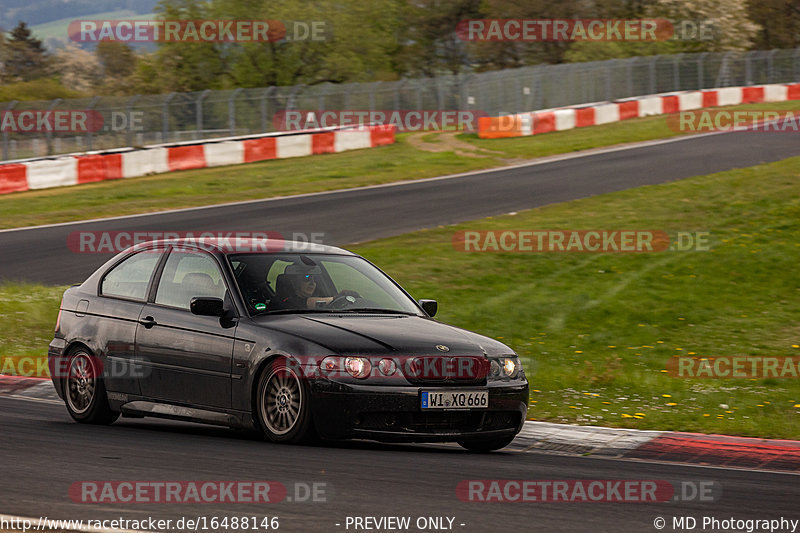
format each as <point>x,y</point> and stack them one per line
<point>76,169</point>
<point>607,112</point>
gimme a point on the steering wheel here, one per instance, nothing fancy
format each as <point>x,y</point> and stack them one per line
<point>343,299</point>
<point>340,302</point>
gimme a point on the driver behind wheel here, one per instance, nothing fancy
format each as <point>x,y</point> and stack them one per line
<point>296,288</point>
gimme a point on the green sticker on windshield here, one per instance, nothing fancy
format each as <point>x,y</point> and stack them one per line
<point>260,307</point>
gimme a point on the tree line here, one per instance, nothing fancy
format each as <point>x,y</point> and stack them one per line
<point>375,40</point>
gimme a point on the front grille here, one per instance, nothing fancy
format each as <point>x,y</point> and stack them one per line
<point>447,370</point>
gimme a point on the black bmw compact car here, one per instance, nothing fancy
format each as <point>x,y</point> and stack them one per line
<point>298,341</point>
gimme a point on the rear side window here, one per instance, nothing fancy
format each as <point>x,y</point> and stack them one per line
<point>130,278</point>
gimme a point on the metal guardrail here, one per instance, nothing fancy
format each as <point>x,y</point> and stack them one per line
<point>153,119</point>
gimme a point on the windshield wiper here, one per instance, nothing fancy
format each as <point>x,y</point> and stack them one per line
<point>377,310</point>
<point>337,311</point>
<point>296,311</point>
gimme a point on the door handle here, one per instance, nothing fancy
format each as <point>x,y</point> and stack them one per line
<point>148,322</point>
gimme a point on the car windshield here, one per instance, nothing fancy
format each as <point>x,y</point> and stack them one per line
<point>316,283</point>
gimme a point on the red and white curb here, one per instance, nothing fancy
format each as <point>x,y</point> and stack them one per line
<point>75,169</point>
<point>28,388</point>
<point>580,440</point>
<point>661,446</point>
<point>546,437</point>
<point>579,116</point>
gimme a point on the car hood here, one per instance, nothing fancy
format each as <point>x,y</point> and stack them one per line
<point>380,334</point>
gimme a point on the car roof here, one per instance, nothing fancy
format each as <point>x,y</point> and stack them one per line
<point>235,245</point>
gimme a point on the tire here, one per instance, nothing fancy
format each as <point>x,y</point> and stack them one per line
<point>84,391</point>
<point>283,407</point>
<point>485,445</point>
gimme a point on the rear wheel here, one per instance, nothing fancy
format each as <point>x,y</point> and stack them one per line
<point>485,445</point>
<point>84,391</point>
<point>283,407</point>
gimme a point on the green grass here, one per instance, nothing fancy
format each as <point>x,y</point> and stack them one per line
<point>308,174</point>
<point>29,317</point>
<point>595,331</point>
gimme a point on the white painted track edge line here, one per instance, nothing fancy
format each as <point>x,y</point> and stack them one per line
<point>405,183</point>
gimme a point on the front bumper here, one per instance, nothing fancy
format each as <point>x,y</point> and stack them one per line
<point>393,413</point>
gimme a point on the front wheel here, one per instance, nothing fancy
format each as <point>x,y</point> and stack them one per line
<point>485,445</point>
<point>283,407</point>
<point>84,391</point>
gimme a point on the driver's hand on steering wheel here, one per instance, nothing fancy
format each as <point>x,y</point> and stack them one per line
<point>347,292</point>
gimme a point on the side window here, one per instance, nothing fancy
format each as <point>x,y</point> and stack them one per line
<point>186,275</point>
<point>130,278</point>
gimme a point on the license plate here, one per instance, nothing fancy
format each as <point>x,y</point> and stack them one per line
<point>455,399</point>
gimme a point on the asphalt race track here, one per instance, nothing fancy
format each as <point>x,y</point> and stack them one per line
<point>49,453</point>
<point>45,452</point>
<point>41,254</point>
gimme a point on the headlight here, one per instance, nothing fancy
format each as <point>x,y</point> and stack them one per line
<point>358,367</point>
<point>505,368</point>
<point>510,368</point>
<point>330,364</point>
<point>387,367</point>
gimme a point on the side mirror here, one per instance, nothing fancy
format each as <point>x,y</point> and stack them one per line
<point>207,306</point>
<point>429,306</point>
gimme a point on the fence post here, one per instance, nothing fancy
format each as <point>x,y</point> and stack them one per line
<point>536,87</point>
<point>232,111</point>
<point>700,73</point>
<point>748,70</point>
<point>794,63</point>
<point>372,87</point>
<point>9,107</point>
<point>198,116</point>
<point>290,103</point>
<point>609,73</point>
<point>397,86</point>
<point>652,67</point>
<point>264,123</point>
<point>49,132</point>
<point>629,75</point>
<point>129,106</point>
<point>676,72</point>
<point>89,133</point>
<point>323,92</point>
<point>165,118</point>
<point>567,86</point>
<point>771,65</point>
